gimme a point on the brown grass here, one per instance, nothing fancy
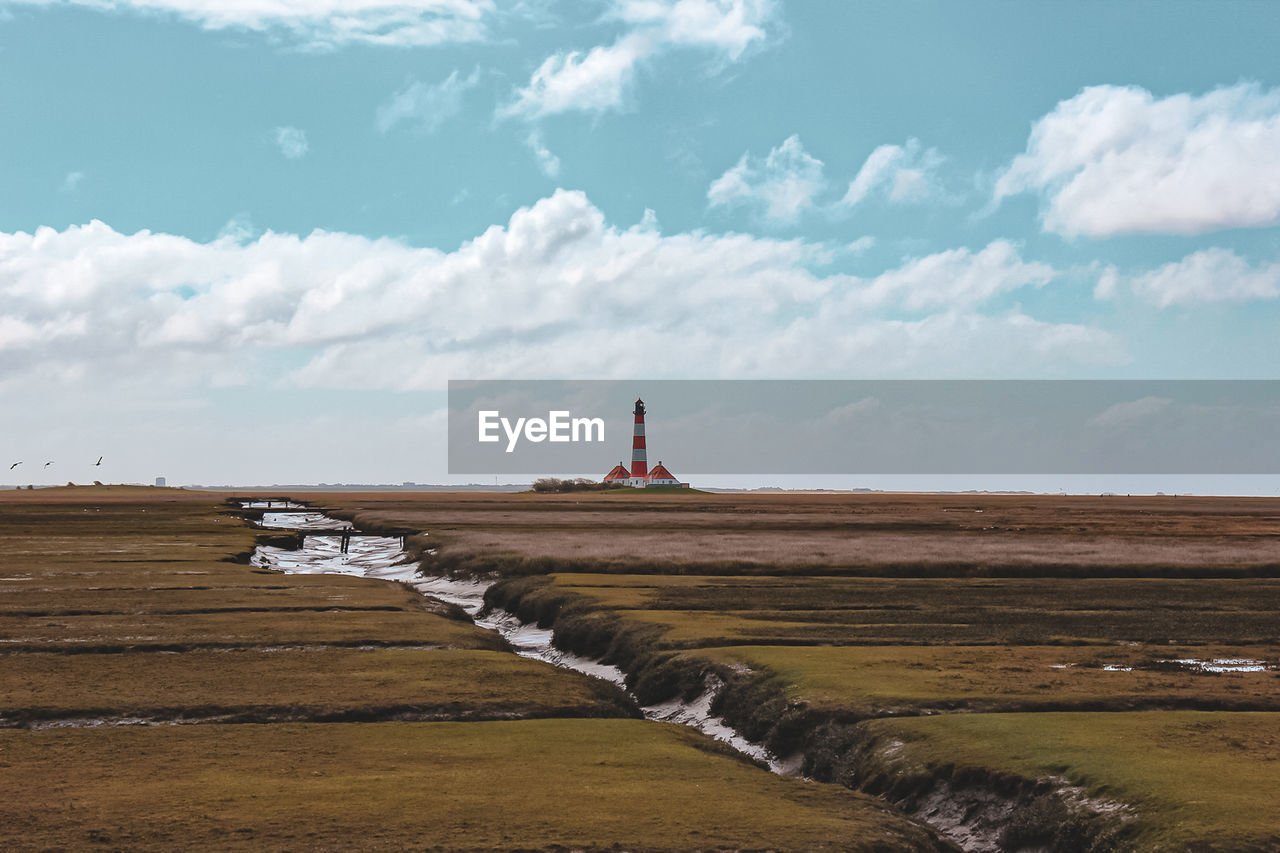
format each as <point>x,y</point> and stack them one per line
<point>495,786</point>
<point>701,610</point>
<point>1195,781</point>
<point>295,683</point>
<point>196,639</point>
<point>907,680</point>
<point>656,583</point>
<point>841,531</point>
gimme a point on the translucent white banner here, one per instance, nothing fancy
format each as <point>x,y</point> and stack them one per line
<point>561,427</point>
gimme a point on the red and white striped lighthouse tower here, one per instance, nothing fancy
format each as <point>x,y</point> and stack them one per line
<point>639,463</point>
<point>640,476</point>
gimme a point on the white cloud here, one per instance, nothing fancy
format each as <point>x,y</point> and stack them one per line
<point>727,26</point>
<point>71,182</point>
<point>1108,284</point>
<point>291,141</point>
<point>593,82</point>
<point>1210,275</point>
<point>238,228</point>
<point>781,186</point>
<point>906,173</point>
<point>427,105</point>
<point>555,291</point>
<point>787,182</point>
<point>548,162</point>
<point>1117,160</point>
<point>954,278</point>
<point>601,79</point>
<point>319,23</point>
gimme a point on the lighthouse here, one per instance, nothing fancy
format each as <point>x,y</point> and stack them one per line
<point>639,463</point>
<point>640,476</point>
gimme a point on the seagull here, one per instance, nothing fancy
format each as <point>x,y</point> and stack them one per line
<point>14,465</point>
<point>99,462</point>
<point>47,464</point>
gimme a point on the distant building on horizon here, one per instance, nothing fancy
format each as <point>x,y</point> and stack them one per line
<point>640,476</point>
<point>160,481</point>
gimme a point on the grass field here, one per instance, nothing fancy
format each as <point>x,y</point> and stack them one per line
<point>156,694</point>
<point>705,610</point>
<point>294,683</point>
<point>121,602</point>
<point>878,534</point>
<point>912,680</point>
<point>1187,776</point>
<point>530,785</point>
<point>967,623</point>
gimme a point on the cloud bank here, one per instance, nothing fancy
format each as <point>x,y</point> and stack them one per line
<point>557,291</point>
<point>319,23</point>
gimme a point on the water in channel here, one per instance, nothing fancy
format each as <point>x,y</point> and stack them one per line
<point>384,557</point>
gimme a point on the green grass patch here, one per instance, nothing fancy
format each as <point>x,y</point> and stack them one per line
<point>1190,777</point>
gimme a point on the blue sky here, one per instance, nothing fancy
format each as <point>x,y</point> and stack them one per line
<point>226,220</point>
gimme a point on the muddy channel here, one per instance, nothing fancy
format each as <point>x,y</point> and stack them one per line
<point>384,558</point>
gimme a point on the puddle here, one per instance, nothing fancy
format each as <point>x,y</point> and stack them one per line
<point>1217,665</point>
<point>303,520</point>
<point>1224,664</point>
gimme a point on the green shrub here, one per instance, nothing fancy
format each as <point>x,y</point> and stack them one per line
<point>554,485</point>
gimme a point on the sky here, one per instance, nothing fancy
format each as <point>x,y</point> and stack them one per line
<point>251,241</point>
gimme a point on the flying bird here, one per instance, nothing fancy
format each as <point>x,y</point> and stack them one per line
<point>47,464</point>
<point>14,465</point>
<point>99,462</point>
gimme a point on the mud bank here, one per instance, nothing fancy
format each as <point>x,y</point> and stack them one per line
<point>974,809</point>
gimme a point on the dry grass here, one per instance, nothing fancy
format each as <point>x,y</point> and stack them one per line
<point>701,610</point>
<point>848,606</point>
<point>842,532</point>
<point>235,590</point>
<point>534,785</point>
<point>197,639</point>
<point>298,683</point>
<point>905,680</point>
<point>122,568</point>
<point>1196,781</point>
<point>180,632</point>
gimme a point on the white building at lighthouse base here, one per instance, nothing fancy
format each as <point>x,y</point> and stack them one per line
<point>657,476</point>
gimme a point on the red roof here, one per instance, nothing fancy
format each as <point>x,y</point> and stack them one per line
<point>660,472</point>
<point>618,473</point>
